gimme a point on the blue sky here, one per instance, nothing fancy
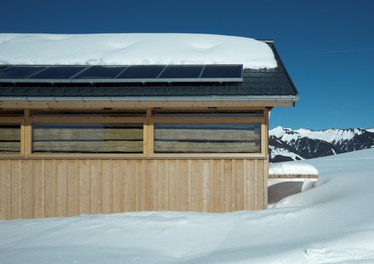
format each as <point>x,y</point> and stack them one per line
<point>326,45</point>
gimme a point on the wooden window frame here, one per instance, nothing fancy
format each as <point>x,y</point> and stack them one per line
<point>148,136</point>
<point>92,120</point>
<point>21,122</point>
<point>259,155</point>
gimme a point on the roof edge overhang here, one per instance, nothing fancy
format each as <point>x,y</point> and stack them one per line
<point>271,44</point>
<point>145,101</point>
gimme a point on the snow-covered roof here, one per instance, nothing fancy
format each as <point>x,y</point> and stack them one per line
<point>134,49</point>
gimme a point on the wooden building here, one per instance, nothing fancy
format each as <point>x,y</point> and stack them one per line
<point>78,139</point>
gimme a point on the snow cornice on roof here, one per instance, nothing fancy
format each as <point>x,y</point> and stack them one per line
<point>134,49</point>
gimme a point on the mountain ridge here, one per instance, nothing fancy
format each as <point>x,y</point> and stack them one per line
<point>286,144</point>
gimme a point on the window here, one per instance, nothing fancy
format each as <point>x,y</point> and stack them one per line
<point>207,138</point>
<point>16,113</point>
<point>87,138</point>
<point>136,133</point>
<point>10,139</point>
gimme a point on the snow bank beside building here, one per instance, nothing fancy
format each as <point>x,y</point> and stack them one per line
<point>292,168</point>
<point>134,49</point>
<point>332,223</point>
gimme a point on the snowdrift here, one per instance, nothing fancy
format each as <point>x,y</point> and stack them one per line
<point>332,223</point>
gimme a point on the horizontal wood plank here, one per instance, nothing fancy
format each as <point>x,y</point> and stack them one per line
<point>10,147</point>
<point>201,147</point>
<point>9,134</point>
<point>88,146</point>
<point>88,134</point>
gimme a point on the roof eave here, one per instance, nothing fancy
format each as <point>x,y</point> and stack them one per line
<point>147,101</point>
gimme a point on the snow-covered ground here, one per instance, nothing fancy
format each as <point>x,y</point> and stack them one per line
<point>332,223</point>
<point>292,168</point>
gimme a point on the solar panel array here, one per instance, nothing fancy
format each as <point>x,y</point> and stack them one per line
<point>124,73</point>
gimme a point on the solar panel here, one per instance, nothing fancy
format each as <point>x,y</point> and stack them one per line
<point>121,73</point>
<point>101,72</point>
<point>181,71</point>
<point>141,72</point>
<point>3,67</point>
<point>20,72</point>
<point>222,71</point>
<point>58,72</point>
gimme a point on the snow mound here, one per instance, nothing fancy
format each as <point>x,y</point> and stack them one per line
<point>292,168</point>
<point>134,49</point>
<point>331,223</point>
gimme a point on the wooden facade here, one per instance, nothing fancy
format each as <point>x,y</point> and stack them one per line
<point>44,179</point>
<point>35,188</point>
<point>89,139</point>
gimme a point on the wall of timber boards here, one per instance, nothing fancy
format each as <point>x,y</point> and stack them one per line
<point>37,188</point>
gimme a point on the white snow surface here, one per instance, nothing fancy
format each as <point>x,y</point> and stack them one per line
<point>134,49</point>
<point>328,135</point>
<point>331,223</point>
<point>292,168</point>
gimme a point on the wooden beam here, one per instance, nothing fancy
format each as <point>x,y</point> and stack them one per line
<point>88,134</point>
<point>9,134</point>
<point>134,105</point>
<point>10,147</point>
<point>27,138</point>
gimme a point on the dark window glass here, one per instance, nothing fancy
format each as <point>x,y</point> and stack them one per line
<point>72,113</point>
<point>207,138</point>
<point>8,113</point>
<point>87,138</point>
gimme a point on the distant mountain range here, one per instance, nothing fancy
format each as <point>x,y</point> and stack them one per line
<point>286,144</point>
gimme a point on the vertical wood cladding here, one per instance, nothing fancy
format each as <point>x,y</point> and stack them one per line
<point>38,188</point>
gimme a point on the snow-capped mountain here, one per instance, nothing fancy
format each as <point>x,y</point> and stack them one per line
<point>286,144</point>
